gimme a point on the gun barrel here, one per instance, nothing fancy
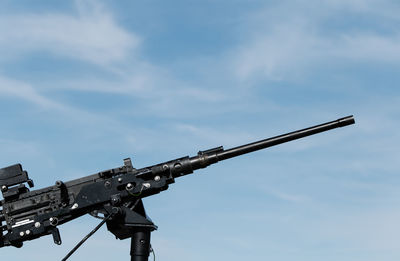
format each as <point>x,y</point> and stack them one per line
<point>262,144</point>
<point>187,165</point>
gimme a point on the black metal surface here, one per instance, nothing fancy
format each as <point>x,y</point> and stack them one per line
<point>262,144</point>
<point>13,175</point>
<point>140,245</point>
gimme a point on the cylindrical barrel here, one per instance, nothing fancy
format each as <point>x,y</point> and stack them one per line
<point>262,144</point>
<point>187,165</point>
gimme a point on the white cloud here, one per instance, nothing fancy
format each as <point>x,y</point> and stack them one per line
<point>92,35</point>
<point>290,197</point>
<point>284,41</point>
<point>272,53</point>
<point>24,91</point>
<point>372,47</point>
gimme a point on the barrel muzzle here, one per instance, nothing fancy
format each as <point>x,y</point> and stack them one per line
<point>346,121</point>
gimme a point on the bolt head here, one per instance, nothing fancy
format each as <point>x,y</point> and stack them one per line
<point>115,200</point>
<point>53,221</point>
<point>157,178</point>
<point>21,233</point>
<point>107,184</point>
<point>37,224</point>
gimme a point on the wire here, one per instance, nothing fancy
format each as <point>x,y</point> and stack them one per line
<point>86,237</point>
<point>152,251</point>
<point>137,194</point>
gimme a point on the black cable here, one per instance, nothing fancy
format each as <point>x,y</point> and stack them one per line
<point>86,237</point>
<point>152,251</point>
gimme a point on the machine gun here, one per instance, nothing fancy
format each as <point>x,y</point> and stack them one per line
<point>114,195</point>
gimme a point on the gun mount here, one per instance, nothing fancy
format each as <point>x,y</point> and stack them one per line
<point>115,194</point>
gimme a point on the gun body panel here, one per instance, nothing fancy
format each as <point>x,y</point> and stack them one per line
<point>31,214</point>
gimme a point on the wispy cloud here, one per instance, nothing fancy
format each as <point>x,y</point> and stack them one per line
<point>289,197</point>
<point>91,35</point>
<point>287,40</point>
<point>25,91</point>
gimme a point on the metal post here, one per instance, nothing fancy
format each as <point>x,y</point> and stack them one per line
<point>140,245</point>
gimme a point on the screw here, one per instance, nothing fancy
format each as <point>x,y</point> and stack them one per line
<point>178,166</point>
<point>107,184</point>
<point>157,178</point>
<point>119,180</point>
<point>27,232</point>
<point>37,224</point>
<point>129,186</point>
<point>53,221</point>
<point>115,199</point>
<point>21,233</point>
<point>4,188</point>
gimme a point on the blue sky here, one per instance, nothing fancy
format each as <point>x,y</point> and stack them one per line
<point>84,84</point>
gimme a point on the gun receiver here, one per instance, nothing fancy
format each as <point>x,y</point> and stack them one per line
<point>114,193</point>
